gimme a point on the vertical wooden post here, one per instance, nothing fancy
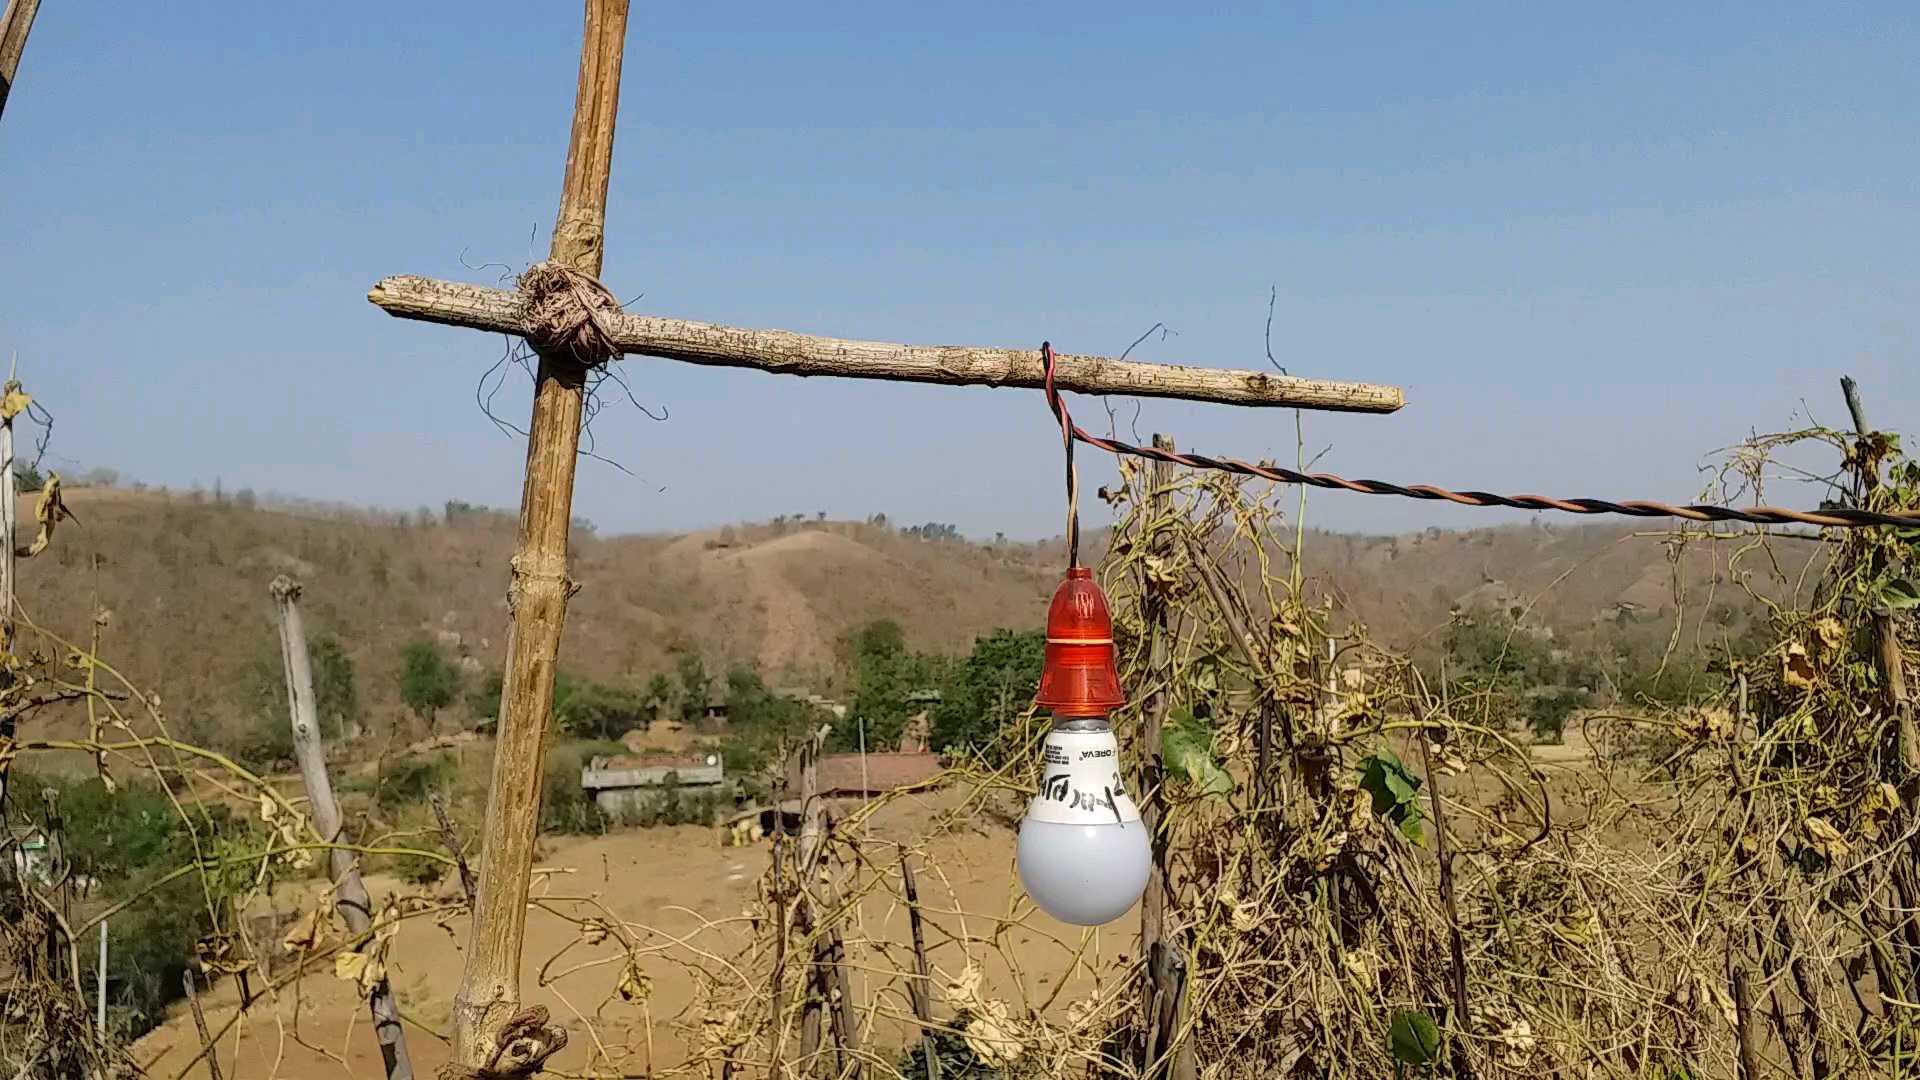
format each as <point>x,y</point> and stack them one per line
<point>776,989</point>
<point>1163,982</point>
<point>922,971</point>
<point>811,835</point>
<point>489,991</point>
<point>350,893</point>
<point>1456,945</point>
<point>9,522</point>
<point>15,25</point>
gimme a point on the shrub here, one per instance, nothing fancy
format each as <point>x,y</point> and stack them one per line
<point>565,806</point>
<point>427,681</point>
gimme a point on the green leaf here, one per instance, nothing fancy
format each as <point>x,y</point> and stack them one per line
<point>1395,790</point>
<point>1900,594</point>
<point>1186,749</point>
<point>1414,1038</point>
<point>1410,825</point>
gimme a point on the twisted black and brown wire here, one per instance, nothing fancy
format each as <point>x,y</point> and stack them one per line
<point>1829,517</point>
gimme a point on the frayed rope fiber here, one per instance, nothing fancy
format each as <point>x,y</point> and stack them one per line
<point>566,313</point>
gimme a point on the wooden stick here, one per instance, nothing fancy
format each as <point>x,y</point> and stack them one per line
<point>15,25</point>
<point>489,993</point>
<point>811,835</point>
<point>1886,638</point>
<point>1456,945</point>
<point>922,971</point>
<point>208,1050</point>
<point>451,841</point>
<point>846,1032</point>
<point>9,502</point>
<point>1743,1023</point>
<point>478,307</point>
<point>776,991</point>
<point>350,894</point>
<point>1163,989</point>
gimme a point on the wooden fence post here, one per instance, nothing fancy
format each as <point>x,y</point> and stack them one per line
<point>350,893</point>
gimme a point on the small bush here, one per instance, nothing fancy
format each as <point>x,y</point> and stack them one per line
<point>565,806</point>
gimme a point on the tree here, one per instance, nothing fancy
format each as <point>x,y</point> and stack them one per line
<point>693,687</point>
<point>659,694</point>
<point>27,478</point>
<point>883,673</point>
<point>427,682</point>
<point>595,710</point>
<point>989,691</point>
<point>336,695</point>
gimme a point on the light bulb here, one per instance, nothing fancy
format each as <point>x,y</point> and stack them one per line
<point>1083,851</point>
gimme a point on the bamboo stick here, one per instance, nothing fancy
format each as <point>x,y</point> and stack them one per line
<point>783,352</point>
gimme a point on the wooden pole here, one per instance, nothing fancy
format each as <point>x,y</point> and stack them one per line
<point>15,25</point>
<point>478,307</point>
<point>922,971</point>
<point>9,523</point>
<point>208,1050</point>
<point>489,992</point>
<point>776,988</point>
<point>1163,981</point>
<point>811,836</point>
<point>350,893</point>
<point>1456,945</point>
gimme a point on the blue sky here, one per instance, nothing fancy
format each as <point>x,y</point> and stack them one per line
<point>1593,242</point>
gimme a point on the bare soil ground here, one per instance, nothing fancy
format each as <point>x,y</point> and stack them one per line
<point>680,891</point>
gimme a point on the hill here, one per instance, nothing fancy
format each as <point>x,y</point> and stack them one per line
<point>185,579</point>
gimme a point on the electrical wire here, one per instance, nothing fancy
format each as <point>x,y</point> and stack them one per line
<point>1839,517</point>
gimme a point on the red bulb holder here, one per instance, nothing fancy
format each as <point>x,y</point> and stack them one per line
<point>1078,677</point>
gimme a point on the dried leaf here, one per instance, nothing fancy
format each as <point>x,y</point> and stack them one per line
<point>1826,839</point>
<point>1796,668</point>
<point>635,985</point>
<point>1830,633</point>
<point>306,933</point>
<point>14,402</point>
<point>991,1035</point>
<point>49,511</point>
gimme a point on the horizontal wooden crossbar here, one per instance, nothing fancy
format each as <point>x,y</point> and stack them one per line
<point>478,307</point>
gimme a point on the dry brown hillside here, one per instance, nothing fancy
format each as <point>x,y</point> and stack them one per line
<point>185,579</point>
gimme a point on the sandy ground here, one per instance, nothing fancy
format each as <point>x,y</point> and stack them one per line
<point>685,898</point>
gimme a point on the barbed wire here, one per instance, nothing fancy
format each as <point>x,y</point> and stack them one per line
<point>1830,517</point>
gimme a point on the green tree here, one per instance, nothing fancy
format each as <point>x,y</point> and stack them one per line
<point>694,685</point>
<point>268,740</point>
<point>659,694</point>
<point>427,682</point>
<point>883,673</point>
<point>483,701</point>
<point>336,694</point>
<point>760,723</point>
<point>989,691</point>
<point>592,710</point>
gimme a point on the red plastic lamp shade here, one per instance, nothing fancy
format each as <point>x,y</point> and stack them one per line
<point>1078,677</point>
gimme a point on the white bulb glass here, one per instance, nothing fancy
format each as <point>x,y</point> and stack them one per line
<point>1083,850</point>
